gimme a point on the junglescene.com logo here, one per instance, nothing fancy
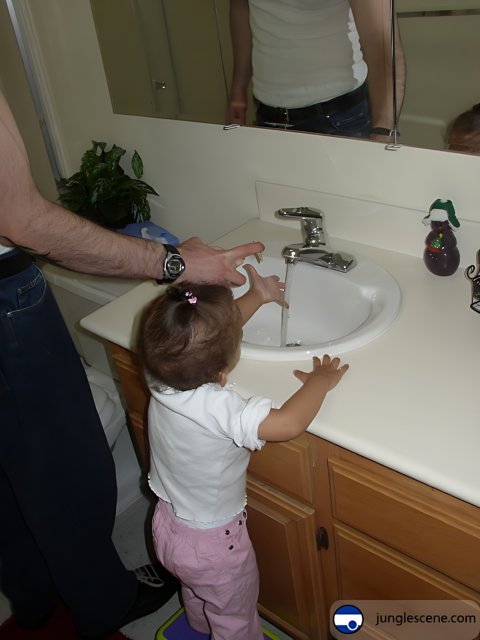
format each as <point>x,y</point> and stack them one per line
<point>406,619</point>
<point>348,619</point>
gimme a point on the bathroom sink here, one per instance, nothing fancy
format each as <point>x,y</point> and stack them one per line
<point>330,312</point>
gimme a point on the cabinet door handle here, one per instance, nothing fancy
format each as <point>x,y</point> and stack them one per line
<point>321,538</point>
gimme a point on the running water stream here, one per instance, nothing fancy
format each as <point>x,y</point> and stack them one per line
<point>285,312</point>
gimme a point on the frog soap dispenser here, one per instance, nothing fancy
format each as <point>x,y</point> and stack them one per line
<point>441,255</point>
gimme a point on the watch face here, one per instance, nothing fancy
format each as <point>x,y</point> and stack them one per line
<point>173,267</point>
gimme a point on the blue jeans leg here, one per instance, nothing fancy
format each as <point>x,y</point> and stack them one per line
<point>57,473</point>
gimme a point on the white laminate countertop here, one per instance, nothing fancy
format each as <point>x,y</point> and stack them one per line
<point>410,400</point>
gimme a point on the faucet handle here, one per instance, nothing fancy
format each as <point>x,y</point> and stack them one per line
<point>312,224</point>
<point>303,213</point>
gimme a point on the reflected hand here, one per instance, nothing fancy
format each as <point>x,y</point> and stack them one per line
<point>236,113</point>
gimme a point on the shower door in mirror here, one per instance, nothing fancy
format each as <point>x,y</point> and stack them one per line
<point>158,63</point>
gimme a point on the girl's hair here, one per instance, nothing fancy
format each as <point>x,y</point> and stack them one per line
<point>189,334</point>
<point>463,132</point>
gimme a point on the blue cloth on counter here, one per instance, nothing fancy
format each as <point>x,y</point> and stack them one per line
<point>149,231</point>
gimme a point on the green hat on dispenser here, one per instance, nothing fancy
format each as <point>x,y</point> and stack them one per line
<point>441,211</point>
<point>441,255</point>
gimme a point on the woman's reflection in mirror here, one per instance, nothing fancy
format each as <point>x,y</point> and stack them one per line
<point>323,66</point>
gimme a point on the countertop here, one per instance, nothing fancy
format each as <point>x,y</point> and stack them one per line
<point>410,398</point>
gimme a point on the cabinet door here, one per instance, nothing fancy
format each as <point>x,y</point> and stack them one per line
<point>282,531</point>
<point>435,529</point>
<point>370,570</point>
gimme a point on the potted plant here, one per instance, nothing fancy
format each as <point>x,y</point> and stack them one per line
<point>101,190</point>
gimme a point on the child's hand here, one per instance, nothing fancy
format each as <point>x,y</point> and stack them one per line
<point>295,415</point>
<point>327,369</point>
<point>268,288</point>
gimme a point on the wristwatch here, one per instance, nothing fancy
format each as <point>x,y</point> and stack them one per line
<point>383,131</point>
<point>173,264</point>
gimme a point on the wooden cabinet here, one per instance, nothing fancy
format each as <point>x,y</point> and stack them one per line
<point>135,396</point>
<point>328,525</point>
<point>283,529</point>
<point>395,538</point>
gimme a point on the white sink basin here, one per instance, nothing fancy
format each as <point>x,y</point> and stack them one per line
<point>330,312</point>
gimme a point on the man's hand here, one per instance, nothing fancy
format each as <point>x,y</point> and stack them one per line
<point>212,264</point>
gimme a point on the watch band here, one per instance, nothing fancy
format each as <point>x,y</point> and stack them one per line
<point>383,131</point>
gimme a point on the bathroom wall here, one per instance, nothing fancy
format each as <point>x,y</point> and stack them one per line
<point>208,178</point>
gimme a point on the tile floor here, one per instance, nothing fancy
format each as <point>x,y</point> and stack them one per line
<point>130,534</point>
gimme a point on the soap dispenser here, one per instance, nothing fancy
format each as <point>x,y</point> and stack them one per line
<point>441,255</point>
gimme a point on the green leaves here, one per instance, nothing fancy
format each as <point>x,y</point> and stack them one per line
<point>137,165</point>
<point>103,192</point>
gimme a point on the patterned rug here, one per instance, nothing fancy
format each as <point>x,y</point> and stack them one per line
<point>177,628</point>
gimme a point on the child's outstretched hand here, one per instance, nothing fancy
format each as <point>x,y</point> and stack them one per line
<point>327,369</point>
<point>267,288</point>
<point>295,415</point>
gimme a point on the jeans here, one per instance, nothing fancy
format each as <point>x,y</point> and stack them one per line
<point>57,476</point>
<point>352,121</point>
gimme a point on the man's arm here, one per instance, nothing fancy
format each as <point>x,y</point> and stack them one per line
<point>242,60</point>
<point>47,230</point>
<point>373,21</point>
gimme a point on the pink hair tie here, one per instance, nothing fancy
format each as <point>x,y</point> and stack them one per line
<point>191,299</point>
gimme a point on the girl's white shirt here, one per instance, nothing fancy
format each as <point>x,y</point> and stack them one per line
<point>200,445</point>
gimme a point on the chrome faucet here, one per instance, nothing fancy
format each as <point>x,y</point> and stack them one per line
<point>316,248</point>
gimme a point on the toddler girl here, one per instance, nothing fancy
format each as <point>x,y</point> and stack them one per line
<point>201,433</point>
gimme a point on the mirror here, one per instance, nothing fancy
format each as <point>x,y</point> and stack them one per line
<point>177,57</point>
<point>166,58</point>
<point>441,43</point>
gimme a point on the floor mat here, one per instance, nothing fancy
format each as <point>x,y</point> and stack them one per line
<point>177,628</point>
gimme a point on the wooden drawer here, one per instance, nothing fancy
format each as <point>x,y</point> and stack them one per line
<point>134,389</point>
<point>139,434</point>
<point>286,466</point>
<point>390,575</point>
<point>438,530</point>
